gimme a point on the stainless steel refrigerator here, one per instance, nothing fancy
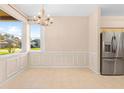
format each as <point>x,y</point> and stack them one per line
<point>112,53</point>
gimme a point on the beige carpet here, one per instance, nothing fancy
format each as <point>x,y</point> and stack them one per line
<point>63,78</point>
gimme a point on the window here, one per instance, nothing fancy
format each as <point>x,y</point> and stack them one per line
<point>10,34</point>
<point>10,37</point>
<point>35,37</point>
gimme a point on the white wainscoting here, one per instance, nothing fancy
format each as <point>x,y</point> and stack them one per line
<point>11,65</point>
<point>0,70</point>
<point>59,59</point>
<point>93,62</point>
<point>2,64</point>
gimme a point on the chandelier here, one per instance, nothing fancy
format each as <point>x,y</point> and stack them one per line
<point>42,18</point>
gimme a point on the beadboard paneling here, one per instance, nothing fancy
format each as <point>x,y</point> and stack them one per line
<point>93,62</point>
<point>58,59</point>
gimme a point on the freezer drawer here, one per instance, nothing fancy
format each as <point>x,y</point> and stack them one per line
<point>119,66</point>
<point>112,66</point>
<point>107,66</point>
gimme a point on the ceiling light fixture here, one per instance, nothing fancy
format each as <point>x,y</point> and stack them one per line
<point>42,18</point>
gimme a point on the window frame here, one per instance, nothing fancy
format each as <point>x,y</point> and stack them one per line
<point>21,49</point>
<point>41,39</point>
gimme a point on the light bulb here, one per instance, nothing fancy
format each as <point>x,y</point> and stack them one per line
<point>34,17</point>
<point>39,13</point>
<point>48,15</point>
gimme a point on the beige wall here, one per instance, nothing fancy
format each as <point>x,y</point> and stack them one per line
<point>112,21</point>
<point>67,33</point>
<point>94,40</point>
<point>94,25</point>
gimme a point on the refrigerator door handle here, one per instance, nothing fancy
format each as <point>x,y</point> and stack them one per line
<point>114,44</point>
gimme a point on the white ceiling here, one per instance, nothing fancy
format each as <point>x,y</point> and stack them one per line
<point>112,9</point>
<point>72,9</point>
<point>29,9</point>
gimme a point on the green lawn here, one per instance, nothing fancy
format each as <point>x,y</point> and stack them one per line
<point>5,51</point>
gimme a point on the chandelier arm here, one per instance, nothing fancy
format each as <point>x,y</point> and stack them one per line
<point>42,19</point>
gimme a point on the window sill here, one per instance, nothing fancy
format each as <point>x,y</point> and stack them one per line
<point>14,54</point>
<point>39,51</point>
